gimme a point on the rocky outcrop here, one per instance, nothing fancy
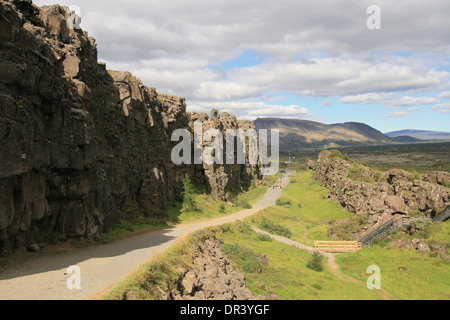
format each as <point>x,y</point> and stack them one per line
<point>212,277</point>
<point>438,177</point>
<point>379,196</point>
<point>223,179</point>
<point>81,144</point>
<point>421,246</point>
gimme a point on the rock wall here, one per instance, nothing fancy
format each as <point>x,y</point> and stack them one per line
<point>211,277</point>
<point>383,196</point>
<point>81,144</point>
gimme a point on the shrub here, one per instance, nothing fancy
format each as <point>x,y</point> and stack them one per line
<point>316,262</point>
<point>354,173</point>
<point>244,227</point>
<point>263,237</point>
<point>188,195</point>
<point>275,228</point>
<point>283,202</point>
<point>242,203</point>
<point>419,225</point>
<point>222,208</point>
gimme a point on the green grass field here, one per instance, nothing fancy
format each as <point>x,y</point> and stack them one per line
<point>287,276</point>
<point>406,274</point>
<point>309,212</point>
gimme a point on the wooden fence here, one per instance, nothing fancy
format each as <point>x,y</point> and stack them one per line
<point>337,246</point>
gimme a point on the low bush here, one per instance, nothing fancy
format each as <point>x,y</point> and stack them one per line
<point>419,226</point>
<point>283,202</point>
<point>275,228</point>
<point>316,262</point>
<point>242,203</point>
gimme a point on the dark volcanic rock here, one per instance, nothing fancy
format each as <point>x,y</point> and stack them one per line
<point>383,196</point>
<point>82,145</point>
<point>212,277</point>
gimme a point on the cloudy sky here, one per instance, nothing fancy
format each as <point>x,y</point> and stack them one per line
<point>303,59</point>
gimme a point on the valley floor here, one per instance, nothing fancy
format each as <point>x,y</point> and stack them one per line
<point>275,259</point>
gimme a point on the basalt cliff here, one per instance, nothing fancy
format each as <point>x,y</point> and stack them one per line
<point>81,144</point>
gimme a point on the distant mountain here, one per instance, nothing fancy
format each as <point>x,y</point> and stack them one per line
<point>405,139</point>
<point>421,134</point>
<point>296,134</point>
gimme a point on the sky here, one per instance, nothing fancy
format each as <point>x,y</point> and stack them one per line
<point>302,59</point>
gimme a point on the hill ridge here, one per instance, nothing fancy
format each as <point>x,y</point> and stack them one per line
<point>295,133</point>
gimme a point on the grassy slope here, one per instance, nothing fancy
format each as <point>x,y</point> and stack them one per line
<point>310,213</point>
<point>407,274</point>
<point>426,276</point>
<point>287,276</point>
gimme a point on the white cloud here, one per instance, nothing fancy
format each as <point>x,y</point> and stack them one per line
<point>368,98</point>
<point>327,103</point>
<point>252,110</point>
<point>445,95</point>
<point>443,108</point>
<point>413,101</point>
<point>389,100</point>
<point>398,114</point>
<point>328,77</point>
<point>316,48</point>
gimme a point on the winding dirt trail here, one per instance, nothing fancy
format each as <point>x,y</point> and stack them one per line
<point>331,262</point>
<point>102,267</point>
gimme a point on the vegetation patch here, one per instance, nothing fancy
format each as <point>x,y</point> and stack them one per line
<point>346,229</point>
<point>245,258</point>
<point>406,274</point>
<point>286,274</point>
<point>275,228</point>
<point>309,218</point>
<point>316,262</point>
<point>158,276</point>
<point>283,202</point>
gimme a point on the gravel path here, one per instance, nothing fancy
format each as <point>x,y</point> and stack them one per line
<point>103,267</point>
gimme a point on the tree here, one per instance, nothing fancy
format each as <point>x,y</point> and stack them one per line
<point>188,195</point>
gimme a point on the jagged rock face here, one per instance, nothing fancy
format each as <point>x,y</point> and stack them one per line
<point>80,145</point>
<point>222,179</point>
<point>211,277</point>
<point>392,193</point>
